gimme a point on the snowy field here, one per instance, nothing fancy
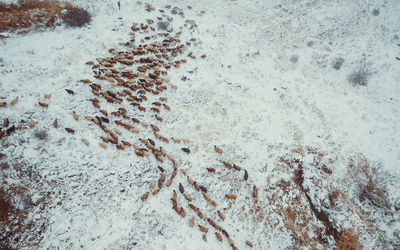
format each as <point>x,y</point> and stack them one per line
<point>272,93</point>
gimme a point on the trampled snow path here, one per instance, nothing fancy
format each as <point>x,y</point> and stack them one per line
<point>249,95</point>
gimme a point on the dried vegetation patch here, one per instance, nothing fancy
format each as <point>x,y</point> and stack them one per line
<point>317,209</point>
<point>37,14</point>
<point>23,197</point>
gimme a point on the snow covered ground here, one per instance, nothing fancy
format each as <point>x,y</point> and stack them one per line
<point>267,94</point>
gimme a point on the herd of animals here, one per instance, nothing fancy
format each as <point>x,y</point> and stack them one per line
<point>128,88</point>
<point>137,76</point>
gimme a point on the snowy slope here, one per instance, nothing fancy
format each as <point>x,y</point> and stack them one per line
<point>265,92</point>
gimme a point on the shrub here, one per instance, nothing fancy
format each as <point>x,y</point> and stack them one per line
<point>371,183</point>
<point>42,135</point>
<point>76,17</point>
<point>337,63</point>
<point>162,25</point>
<point>294,58</point>
<point>361,75</point>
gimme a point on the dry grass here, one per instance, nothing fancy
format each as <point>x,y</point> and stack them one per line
<point>17,227</point>
<point>300,222</point>
<point>37,14</point>
<point>12,220</point>
<point>348,239</point>
<point>5,206</point>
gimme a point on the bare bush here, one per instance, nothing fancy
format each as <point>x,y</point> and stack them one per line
<point>76,17</point>
<point>162,25</point>
<point>42,135</point>
<point>361,75</point>
<point>371,183</point>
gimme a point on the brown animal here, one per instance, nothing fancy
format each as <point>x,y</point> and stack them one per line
<point>55,123</point>
<point>166,107</point>
<point>236,167</point>
<point>70,130</point>
<point>187,197</point>
<point>182,213</point>
<point>104,112</point>
<point>255,191</point>
<point>199,213</point>
<point>219,237</point>
<point>212,223</point>
<point>228,165</point>
<point>191,222</point>
<point>159,118</point>
<point>86,81</point>
<point>144,197</point>
<point>203,229</point>
<point>231,196</point>
<point>221,215</point>
<point>139,153</point>
<point>75,115</point>
<point>155,110</point>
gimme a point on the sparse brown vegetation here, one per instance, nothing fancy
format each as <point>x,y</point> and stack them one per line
<point>348,239</point>
<point>311,219</point>
<point>6,210</point>
<point>17,228</point>
<point>371,182</point>
<point>5,206</point>
<point>330,227</point>
<point>11,219</point>
<point>39,14</point>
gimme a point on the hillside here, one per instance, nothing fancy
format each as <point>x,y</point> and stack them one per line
<point>203,125</point>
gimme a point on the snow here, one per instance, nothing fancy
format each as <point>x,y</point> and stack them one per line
<point>247,96</point>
